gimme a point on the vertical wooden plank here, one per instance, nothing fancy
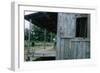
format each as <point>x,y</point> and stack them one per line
<point>84,49</point>
<point>58,36</point>
<point>62,49</point>
<point>79,46</point>
<point>67,49</point>
<point>58,47</point>
<point>74,49</point>
<point>88,50</point>
<point>71,49</point>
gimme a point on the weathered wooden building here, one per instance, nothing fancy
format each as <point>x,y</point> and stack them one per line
<point>73,36</point>
<point>72,30</point>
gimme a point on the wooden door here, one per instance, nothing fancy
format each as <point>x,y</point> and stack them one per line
<point>69,46</point>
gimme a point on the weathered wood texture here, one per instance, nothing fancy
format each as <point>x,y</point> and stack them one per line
<point>66,24</point>
<point>66,28</point>
<point>76,49</point>
<point>68,46</point>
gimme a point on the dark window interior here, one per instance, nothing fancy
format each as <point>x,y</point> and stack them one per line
<point>81,27</point>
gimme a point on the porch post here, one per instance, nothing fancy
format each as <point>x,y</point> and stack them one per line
<point>29,46</point>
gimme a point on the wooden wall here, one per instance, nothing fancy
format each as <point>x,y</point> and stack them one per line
<point>69,46</point>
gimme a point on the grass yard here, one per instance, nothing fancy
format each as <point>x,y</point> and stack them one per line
<point>39,48</point>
